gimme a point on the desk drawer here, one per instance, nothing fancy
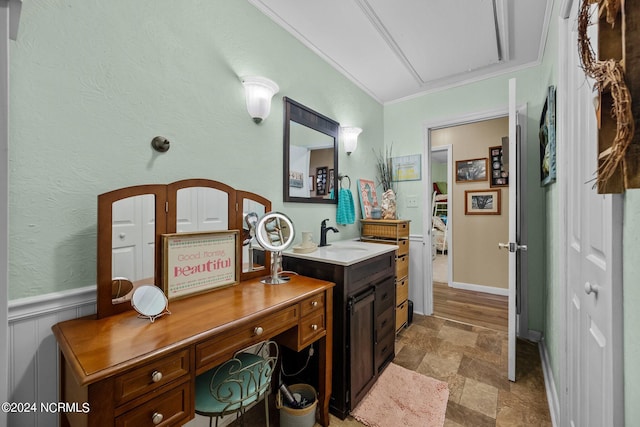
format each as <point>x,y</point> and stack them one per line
<point>312,304</point>
<point>216,350</point>
<point>170,408</point>
<point>311,327</point>
<point>151,376</point>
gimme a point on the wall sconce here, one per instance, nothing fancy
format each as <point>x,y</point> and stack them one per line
<point>350,137</point>
<point>259,91</point>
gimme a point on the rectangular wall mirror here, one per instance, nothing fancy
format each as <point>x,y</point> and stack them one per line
<point>310,155</point>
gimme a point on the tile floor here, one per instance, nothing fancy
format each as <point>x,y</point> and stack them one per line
<point>473,362</point>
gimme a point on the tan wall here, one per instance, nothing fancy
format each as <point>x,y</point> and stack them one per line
<point>474,247</point>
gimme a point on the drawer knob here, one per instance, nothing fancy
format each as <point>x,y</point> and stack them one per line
<point>314,303</point>
<point>258,330</point>
<point>314,327</point>
<point>156,376</point>
<point>157,418</point>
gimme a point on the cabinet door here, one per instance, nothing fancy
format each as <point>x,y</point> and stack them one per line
<point>362,344</point>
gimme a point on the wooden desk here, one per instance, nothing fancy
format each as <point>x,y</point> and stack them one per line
<point>135,373</point>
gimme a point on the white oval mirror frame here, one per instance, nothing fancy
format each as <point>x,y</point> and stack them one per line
<point>150,302</point>
<point>275,233</point>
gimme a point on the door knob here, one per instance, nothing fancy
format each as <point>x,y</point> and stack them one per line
<point>513,247</point>
<point>589,288</point>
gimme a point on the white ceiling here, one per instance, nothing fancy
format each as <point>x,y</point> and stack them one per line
<point>395,49</point>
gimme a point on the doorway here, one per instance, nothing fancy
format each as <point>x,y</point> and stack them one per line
<point>469,273</point>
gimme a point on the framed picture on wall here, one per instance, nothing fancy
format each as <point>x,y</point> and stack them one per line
<point>471,170</point>
<point>321,180</point>
<point>482,202</point>
<point>547,134</point>
<point>499,176</point>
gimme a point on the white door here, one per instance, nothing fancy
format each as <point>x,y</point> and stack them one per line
<point>513,246</point>
<point>594,266</point>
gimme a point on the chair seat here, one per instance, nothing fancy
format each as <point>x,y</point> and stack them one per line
<point>235,395</point>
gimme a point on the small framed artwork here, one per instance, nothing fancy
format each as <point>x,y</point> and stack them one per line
<point>471,170</point>
<point>321,180</point>
<point>407,168</point>
<point>194,263</point>
<point>295,179</point>
<point>499,176</point>
<point>547,135</point>
<point>482,202</point>
<point>368,197</point>
<point>332,180</point>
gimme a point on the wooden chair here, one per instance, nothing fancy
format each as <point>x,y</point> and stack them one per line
<point>237,383</point>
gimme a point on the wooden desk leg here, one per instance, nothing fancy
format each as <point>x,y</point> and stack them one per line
<point>325,359</point>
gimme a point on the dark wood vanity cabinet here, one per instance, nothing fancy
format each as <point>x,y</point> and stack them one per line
<point>364,323</point>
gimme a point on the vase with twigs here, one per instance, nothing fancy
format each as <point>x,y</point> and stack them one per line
<point>384,171</point>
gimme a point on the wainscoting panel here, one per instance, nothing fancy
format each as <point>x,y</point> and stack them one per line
<point>416,273</point>
<point>33,351</point>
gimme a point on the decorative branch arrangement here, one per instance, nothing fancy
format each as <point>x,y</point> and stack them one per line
<point>384,168</point>
<point>608,74</point>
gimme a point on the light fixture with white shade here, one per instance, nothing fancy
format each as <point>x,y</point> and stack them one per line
<point>350,138</point>
<point>259,91</point>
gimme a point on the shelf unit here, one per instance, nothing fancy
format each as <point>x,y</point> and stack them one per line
<point>393,232</point>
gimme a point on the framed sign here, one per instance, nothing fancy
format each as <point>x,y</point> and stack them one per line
<point>194,263</point>
<point>407,168</point>
<point>482,202</point>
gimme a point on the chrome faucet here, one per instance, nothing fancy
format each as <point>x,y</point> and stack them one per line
<point>323,232</point>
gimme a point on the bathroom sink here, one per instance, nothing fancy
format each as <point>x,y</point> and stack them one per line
<point>344,252</point>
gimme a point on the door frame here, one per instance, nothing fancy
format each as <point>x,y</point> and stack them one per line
<point>448,148</point>
<point>522,322</point>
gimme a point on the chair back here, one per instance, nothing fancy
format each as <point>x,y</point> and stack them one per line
<point>241,380</point>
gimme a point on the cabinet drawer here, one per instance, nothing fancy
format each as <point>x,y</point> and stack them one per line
<point>385,295</point>
<point>170,408</point>
<point>216,350</point>
<point>402,290</point>
<point>403,247</point>
<point>151,376</point>
<point>385,349</point>
<point>385,325</point>
<point>402,266</point>
<point>312,304</point>
<point>310,328</point>
<point>402,315</point>
<point>384,228</point>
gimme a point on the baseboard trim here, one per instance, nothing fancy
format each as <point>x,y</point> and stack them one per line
<point>480,288</point>
<point>41,305</point>
<point>549,383</point>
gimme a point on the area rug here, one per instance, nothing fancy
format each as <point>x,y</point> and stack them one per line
<point>402,397</point>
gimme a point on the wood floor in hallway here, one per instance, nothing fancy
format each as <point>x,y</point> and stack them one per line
<point>474,308</point>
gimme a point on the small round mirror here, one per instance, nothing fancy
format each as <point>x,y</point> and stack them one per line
<point>275,233</point>
<point>150,302</point>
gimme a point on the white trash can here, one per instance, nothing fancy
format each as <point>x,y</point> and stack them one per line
<point>293,417</point>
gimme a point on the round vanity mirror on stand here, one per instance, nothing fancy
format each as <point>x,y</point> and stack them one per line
<point>150,302</point>
<point>275,233</point>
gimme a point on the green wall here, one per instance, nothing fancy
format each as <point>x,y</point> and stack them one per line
<point>93,81</point>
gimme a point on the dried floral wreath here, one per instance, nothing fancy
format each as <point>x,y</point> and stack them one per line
<point>608,74</point>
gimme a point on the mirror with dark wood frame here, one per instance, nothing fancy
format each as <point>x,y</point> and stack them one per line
<point>310,155</point>
<point>132,220</point>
